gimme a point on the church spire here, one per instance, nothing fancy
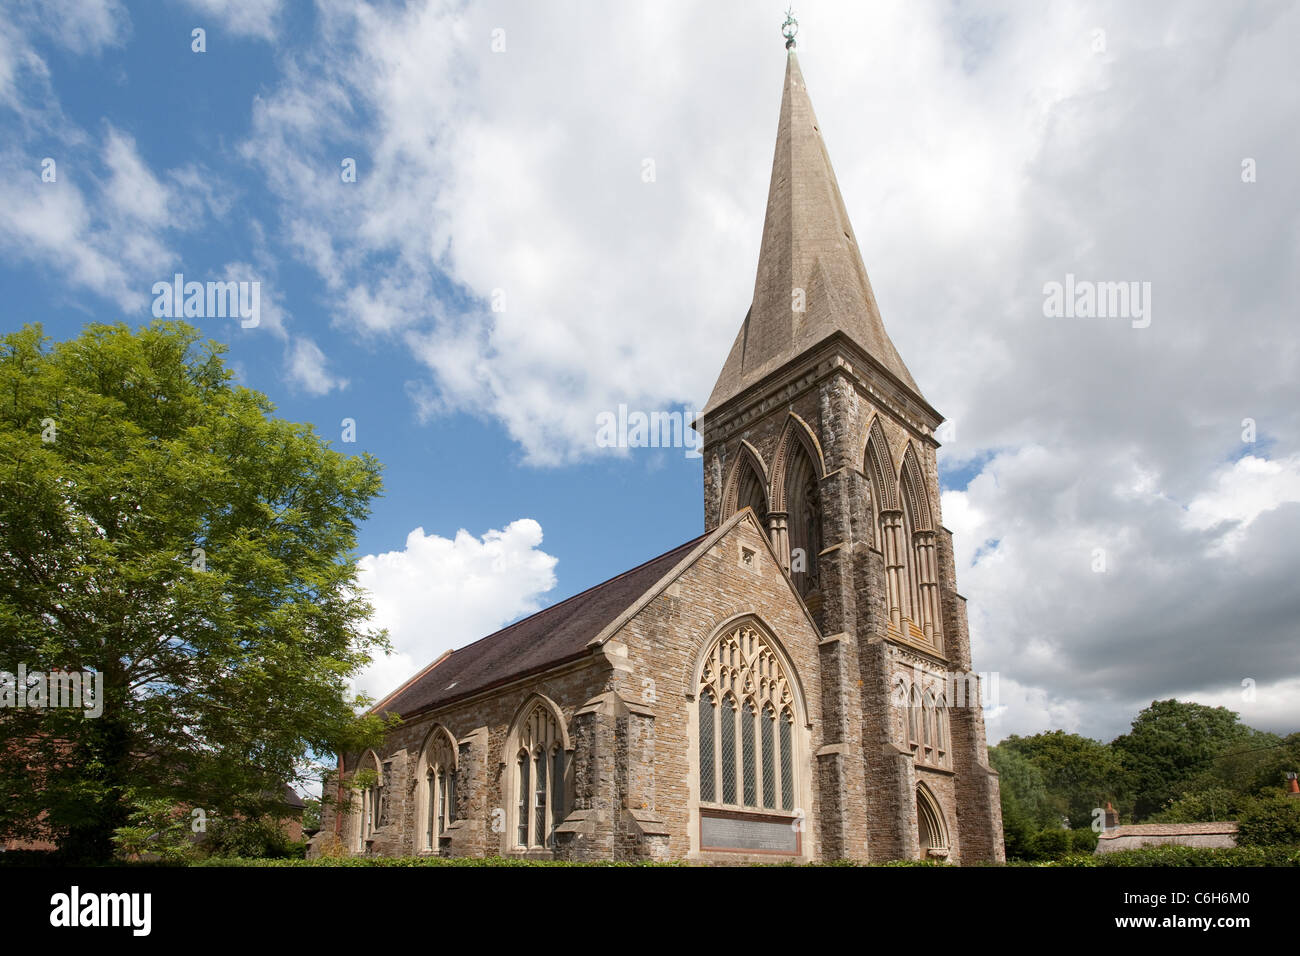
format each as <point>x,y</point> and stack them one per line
<point>809,257</point>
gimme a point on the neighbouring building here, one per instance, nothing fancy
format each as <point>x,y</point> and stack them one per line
<point>794,684</point>
<point>1137,835</point>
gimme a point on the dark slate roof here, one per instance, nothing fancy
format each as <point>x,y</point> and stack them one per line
<point>553,636</point>
<point>292,799</point>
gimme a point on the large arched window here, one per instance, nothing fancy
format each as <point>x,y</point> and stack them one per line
<point>746,722</point>
<point>539,801</point>
<point>438,787</point>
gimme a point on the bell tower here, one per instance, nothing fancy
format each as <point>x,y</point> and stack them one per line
<point>817,425</point>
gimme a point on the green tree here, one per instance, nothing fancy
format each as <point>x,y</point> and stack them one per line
<point>159,526</point>
<point>311,815</point>
<point>1025,808</point>
<point>1169,745</point>
<point>1204,805</point>
<point>1079,775</point>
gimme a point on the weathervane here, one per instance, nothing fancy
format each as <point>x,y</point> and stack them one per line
<point>789,28</point>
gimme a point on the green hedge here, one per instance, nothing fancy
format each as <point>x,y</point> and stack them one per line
<point>1191,856</point>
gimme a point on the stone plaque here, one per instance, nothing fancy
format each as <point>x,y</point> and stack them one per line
<point>755,834</point>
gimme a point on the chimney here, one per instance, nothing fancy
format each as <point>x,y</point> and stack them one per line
<point>1112,818</point>
<point>1292,785</point>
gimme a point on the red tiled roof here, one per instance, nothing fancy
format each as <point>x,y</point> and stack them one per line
<point>550,637</point>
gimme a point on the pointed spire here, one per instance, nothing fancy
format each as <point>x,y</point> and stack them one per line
<point>809,250</point>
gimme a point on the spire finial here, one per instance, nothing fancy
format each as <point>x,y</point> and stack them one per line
<point>789,28</point>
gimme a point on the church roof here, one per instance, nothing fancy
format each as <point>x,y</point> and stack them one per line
<point>809,244</point>
<point>550,637</point>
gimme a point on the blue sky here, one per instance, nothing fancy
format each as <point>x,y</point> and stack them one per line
<point>601,173</point>
<point>455,471</point>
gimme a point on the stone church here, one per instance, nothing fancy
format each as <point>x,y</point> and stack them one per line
<point>793,685</point>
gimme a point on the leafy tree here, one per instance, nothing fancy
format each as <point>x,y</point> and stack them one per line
<point>1169,744</point>
<point>159,526</point>
<point>311,815</point>
<point>1025,807</point>
<point>1204,806</point>
<point>1078,775</point>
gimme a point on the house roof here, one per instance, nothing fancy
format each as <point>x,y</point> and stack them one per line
<point>808,244</point>
<point>1168,829</point>
<point>550,637</point>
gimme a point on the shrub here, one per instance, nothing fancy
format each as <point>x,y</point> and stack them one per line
<point>1049,844</point>
<point>263,838</point>
<point>1083,841</point>
<point>1272,820</point>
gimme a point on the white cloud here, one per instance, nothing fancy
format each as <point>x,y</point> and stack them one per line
<point>113,244</point>
<point>1240,493</point>
<point>132,189</point>
<point>249,18</point>
<point>308,368</point>
<point>442,593</point>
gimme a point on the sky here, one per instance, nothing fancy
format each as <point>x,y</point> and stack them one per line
<point>476,228</point>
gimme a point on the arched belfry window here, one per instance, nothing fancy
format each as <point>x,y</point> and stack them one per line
<point>746,725</point>
<point>438,787</point>
<point>750,492</point>
<point>920,604</point>
<point>803,518</point>
<point>538,769</point>
<point>747,485</point>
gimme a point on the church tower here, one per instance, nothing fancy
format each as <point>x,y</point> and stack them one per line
<point>817,425</point>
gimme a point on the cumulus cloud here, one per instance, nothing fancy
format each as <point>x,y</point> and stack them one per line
<point>505,229</point>
<point>983,152</point>
<point>442,593</point>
